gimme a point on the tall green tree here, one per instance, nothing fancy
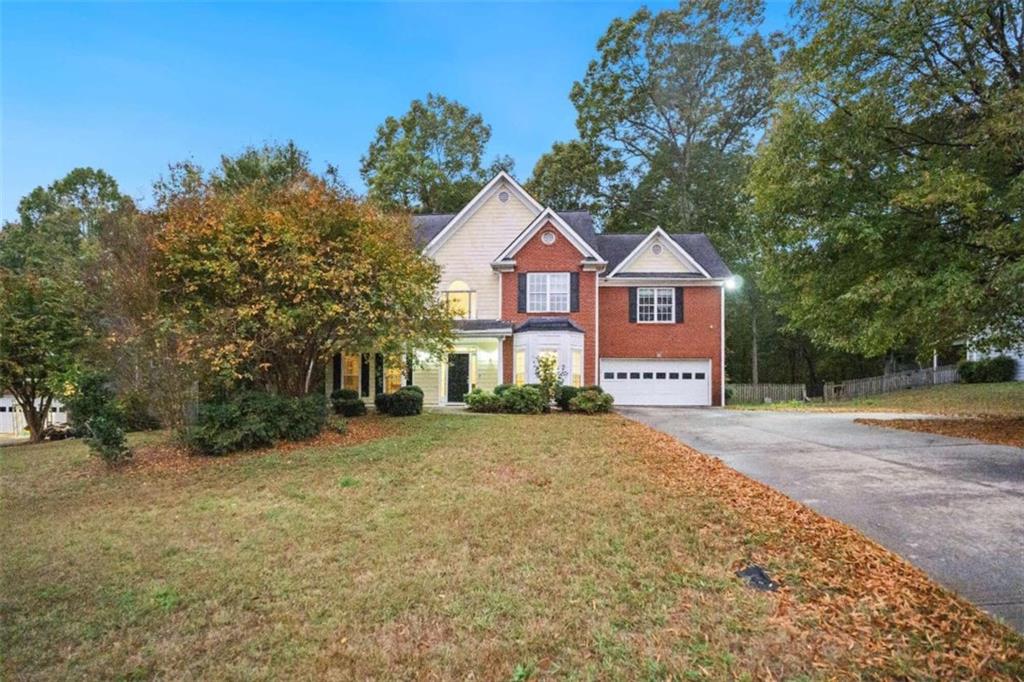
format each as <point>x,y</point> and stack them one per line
<point>574,176</point>
<point>46,317</point>
<point>430,159</point>
<point>675,101</point>
<point>891,178</point>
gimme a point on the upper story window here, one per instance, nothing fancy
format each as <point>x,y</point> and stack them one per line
<point>547,292</point>
<point>459,299</point>
<point>656,304</point>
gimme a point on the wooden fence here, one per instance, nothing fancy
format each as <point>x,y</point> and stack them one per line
<point>898,381</point>
<point>761,393</point>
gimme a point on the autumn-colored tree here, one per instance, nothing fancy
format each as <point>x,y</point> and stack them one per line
<point>262,282</point>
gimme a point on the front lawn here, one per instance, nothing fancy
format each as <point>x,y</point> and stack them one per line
<point>1005,399</point>
<point>453,546</point>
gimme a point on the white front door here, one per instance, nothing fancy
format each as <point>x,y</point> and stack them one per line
<point>657,382</point>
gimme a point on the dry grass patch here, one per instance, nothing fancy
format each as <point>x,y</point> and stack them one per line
<point>997,430</point>
<point>542,546</point>
<point>969,400</point>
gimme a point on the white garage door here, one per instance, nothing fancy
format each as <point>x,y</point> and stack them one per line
<point>657,382</point>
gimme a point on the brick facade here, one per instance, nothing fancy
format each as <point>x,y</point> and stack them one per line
<point>562,256</point>
<point>699,336</point>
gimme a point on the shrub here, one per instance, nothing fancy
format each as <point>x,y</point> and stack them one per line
<point>591,402</point>
<point>137,416</point>
<point>413,388</point>
<point>302,418</point>
<point>593,387</point>
<point>549,378</point>
<point>106,439</point>
<point>382,401</point>
<point>523,400</point>
<point>347,402</point>
<point>988,370</point>
<point>564,395</point>
<point>254,419</point>
<point>337,424</point>
<point>405,403</point>
<point>501,388</point>
<point>483,401</point>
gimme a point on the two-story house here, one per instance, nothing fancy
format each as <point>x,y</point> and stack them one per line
<point>640,315</point>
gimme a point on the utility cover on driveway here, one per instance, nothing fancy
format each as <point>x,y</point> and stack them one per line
<point>953,507</point>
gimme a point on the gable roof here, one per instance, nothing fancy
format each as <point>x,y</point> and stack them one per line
<point>617,247</point>
<point>499,180</point>
<point>429,225</point>
<point>549,216</point>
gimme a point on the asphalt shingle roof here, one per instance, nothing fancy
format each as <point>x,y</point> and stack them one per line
<point>613,247</point>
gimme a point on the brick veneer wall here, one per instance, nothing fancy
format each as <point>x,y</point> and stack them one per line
<point>699,336</point>
<point>562,256</point>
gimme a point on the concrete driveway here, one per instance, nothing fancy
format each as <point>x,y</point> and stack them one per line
<point>953,507</point>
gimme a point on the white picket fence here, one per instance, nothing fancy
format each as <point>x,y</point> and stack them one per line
<point>764,393</point>
<point>889,383</point>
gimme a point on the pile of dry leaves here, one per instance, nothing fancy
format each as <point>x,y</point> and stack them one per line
<point>849,594</point>
<point>998,430</point>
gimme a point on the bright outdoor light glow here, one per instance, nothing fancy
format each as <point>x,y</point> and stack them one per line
<point>732,283</point>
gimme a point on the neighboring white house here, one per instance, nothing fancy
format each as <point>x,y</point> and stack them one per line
<point>12,419</point>
<point>1017,354</point>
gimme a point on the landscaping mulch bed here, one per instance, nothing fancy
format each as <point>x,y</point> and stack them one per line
<point>849,593</point>
<point>997,430</point>
<point>167,456</point>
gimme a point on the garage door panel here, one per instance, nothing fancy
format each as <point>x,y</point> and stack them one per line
<point>657,382</point>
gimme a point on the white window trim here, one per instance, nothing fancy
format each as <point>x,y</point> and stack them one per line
<point>532,277</point>
<point>672,316</point>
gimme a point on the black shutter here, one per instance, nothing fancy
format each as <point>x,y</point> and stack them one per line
<point>364,375</point>
<point>679,305</point>
<point>408,369</point>
<point>336,372</point>
<point>522,293</point>
<point>378,374</point>
<point>574,292</point>
<point>632,304</point>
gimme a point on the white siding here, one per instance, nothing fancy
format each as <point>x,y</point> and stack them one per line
<point>468,252</point>
<point>666,261</point>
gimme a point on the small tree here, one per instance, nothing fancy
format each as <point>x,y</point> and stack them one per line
<point>549,377</point>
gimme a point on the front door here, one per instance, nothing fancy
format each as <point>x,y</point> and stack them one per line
<point>458,377</point>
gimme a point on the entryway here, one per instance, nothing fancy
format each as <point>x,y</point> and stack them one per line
<point>458,377</point>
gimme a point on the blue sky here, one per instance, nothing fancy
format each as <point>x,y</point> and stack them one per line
<point>132,87</point>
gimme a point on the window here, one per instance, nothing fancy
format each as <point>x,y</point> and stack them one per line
<point>698,375</point>
<point>350,372</point>
<point>634,375</point>
<point>673,375</point>
<point>547,292</point>
<point>620,375</point>
<point>659,375</point>
<point>392,379</point>
<point>609,375</point>
<point>656,305</point>
<point>520,367</point>
<point>648,375</point>
<point>577,368</point>
<point>459,299</point>
<point>687,375</point>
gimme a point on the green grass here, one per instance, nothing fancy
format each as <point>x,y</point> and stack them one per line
<point>502,548</point>
<point>1006,399</point>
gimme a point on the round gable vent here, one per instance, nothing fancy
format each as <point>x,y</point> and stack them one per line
<point>503,196</point>
<point>548,237</point>
<point>656,249</point>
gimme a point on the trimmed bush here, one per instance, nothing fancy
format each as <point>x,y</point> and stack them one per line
<point>254,419</point>
<point>405,403</point>
<point>501,388</point>
<point>988,370</point>
<point>347,402</point>
<point>593,387</point>
<point>483,401</point>
<point>414,387</point>
<point>106,440</point>
<point>591,402</point>
<point>523,400</point>
<point>382,401</point>
<point>564,395</point>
